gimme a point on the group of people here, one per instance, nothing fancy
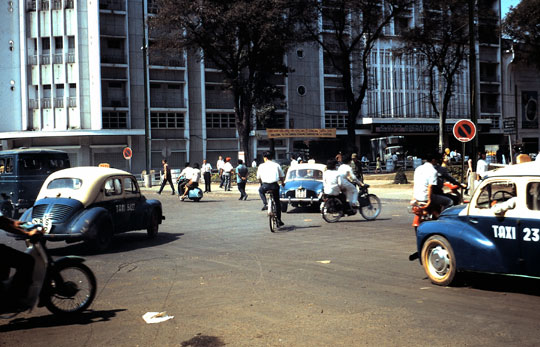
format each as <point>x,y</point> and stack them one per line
<point>342,175</point>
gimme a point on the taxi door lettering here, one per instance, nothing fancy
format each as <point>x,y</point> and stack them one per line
<point>504,232</point>
<point>531,234</point>
<point>120,208</point>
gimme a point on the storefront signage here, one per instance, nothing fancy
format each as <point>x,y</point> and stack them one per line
<point>281,133</point>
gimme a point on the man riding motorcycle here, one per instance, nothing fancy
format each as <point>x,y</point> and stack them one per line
<point>22,263</point>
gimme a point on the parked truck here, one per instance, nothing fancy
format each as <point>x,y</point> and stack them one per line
<point>386,147</point>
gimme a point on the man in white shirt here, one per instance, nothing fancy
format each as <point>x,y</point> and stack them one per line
<point>425,180</point>
<point>481,166</point>
<point>227,172</point>
<point>269,174</point>
<point>183,178</point>
<point>332,179</point>
<point>350,190</point>
<point>219,166</point>
<point>194,175</point>
<point>206,170</point>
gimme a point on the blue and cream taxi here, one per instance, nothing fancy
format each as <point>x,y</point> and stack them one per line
<point>498,231</point>
<point>92,204</point>
<point>303,186</point>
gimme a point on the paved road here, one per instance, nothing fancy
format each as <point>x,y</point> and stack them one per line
<point>228,281</point>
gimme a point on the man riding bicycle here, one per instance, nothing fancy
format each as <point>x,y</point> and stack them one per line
<point>269,174</point>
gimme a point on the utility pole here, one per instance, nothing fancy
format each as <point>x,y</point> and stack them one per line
<point>147,129</point>
<point>473,86</point>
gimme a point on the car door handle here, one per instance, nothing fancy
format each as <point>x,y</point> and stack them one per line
<point>473,220</point>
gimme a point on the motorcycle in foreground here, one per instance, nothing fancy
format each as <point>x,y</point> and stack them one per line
<point>334,207</point>
<point>194,194</point>
<point>65,286</point>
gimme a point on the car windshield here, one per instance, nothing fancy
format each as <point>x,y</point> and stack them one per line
<point>65,183</point>
<point>304,174</point>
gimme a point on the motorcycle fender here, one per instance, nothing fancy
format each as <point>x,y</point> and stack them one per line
<point>69,259</point>
<point>83,223</point>
<point>61,261</point>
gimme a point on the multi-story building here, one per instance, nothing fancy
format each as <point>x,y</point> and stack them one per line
<point>73,79</point>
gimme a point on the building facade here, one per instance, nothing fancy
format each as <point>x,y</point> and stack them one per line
<point>74,80</point>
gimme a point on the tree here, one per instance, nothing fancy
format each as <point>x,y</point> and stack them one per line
<point>440,37</point>
<point>245,39</point>
<point>347,35</point>
<point>521,24</point>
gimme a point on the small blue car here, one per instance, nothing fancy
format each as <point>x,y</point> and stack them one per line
<point>303,186</point>
<point>497,232</point>
<point>92,204</point>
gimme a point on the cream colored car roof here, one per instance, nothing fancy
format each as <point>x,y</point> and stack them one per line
<point>93,178</point>
<point>531,168</point>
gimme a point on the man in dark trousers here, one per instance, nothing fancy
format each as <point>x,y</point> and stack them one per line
<point>166,177</point>
<point>241,179</point>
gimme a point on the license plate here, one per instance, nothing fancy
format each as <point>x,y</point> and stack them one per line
<point>301,193</point>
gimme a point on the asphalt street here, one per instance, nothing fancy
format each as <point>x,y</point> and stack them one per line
<point>227,280</point>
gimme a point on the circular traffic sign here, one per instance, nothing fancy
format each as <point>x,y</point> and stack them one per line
<point>127,153</point>
<point>464,130</point>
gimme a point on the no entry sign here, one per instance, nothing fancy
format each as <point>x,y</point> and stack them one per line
<point>464,130</point>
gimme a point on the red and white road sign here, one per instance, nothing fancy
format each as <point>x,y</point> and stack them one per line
<point>464,130</point>
<point>127,153</point>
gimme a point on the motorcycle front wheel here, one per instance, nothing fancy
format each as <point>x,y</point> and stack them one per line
<point>332,210</point>
<point>70,289</point>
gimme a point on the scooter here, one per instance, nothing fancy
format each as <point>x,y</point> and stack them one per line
<point>334,207</point>
<point>194,194</point>
<point>65,286</point>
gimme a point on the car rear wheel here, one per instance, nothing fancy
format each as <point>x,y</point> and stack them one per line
<point>153,227</point>
<point>103,236</point>
<point>439,260</point>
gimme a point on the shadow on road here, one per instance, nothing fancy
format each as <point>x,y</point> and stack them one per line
<point>500,283</point>
<point>48,321</point>
<point>121,243</point>
<point>203,341</point>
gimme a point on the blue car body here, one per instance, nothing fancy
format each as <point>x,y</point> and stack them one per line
<point>303,186</point>
<point>497,232</point>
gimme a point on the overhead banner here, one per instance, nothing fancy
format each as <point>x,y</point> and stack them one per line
<point>282,133</point>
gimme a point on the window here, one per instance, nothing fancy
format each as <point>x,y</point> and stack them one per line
<point>71,42</point>
<point>65,183</point>
<point>533,196</point>
<point>220,121</point>
<point>495,192</point>
<point>300,53</point>
<point>58,43</point>
<point>164,120</point>
<point>114,120</point>
<point>114,43</point>
<point>45,43</point>
<point>113,186</point>
<point>6,165</point>
<point>130,186</point>
<point>338,121</point>
<point>301,90</point>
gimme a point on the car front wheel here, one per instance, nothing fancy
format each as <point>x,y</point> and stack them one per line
<point>153,226</point>
<point>439,260</point>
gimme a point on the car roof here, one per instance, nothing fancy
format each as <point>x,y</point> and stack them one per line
<point>308,166</point>
<point>31,151</point>
<point>92,178</point>
<point>531,168</point>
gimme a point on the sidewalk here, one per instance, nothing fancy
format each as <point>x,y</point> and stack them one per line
<point>384,189</point>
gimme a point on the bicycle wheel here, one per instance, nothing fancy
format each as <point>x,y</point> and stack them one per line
<point>371,211</point>
<point>272,215</point>
<point>71,289</point>
<point>332,210</point>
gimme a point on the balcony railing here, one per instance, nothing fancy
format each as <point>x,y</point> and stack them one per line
<point>70,57</point>
<point>33,104</point>
<point>58,58</point>
<point>167,103</point>
<point>45,59</point>
<point>59,102</point>
<point>33,60</point>
<point>165,61</point>
<point>115,102</point>
<point>114,5</point>
<point>45,5</point>
<point>219,104</point>
<point>335,106</point>
<point>113,59</point>
<point>46,103</point>
<point>72,102</point>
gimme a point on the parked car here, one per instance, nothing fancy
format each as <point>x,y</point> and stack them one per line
<point>497,232</point>
<point>22,172</point>
<point>303,186</point>
<point>92,204</point>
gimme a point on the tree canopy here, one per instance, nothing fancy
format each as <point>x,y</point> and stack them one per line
<point>245,39</point>
<point>522,24</point>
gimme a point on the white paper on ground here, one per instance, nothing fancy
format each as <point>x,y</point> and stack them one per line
<point>156,317</point>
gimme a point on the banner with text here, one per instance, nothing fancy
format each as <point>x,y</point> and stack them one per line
<point>281,133</point>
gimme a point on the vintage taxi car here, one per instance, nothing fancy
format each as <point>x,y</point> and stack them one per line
<point>497,232</point>
<point>303,186</point>
<point>92,204</point>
